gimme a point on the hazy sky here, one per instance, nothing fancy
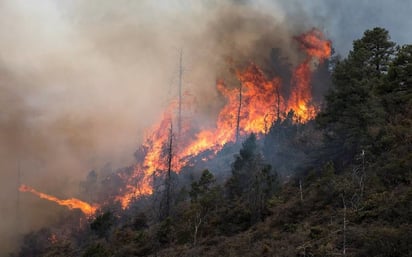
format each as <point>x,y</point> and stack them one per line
<point>346,20</point>
<point>82,80</point>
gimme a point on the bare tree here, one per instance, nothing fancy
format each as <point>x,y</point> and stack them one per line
<point>278,104</point>
<point>203,197</point>
<point>168,174</point>
<point>197,221</point>
<point>238,113</point>
<point>179,118</point>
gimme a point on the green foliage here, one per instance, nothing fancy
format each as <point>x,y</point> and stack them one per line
<point>35,243</point>
<point>102,223</point>
<point>354,115</point>
<point>386,242</point>
<point>204,196</point>
<point>252,184</point>
<point>164,233</point>
<point>126,242</point>
<point>372,53</point>
<point>60,249</point>
<point>360,176</point>
<point>139,222</point>
<point>96,250</point>
<point>200,189</point>
<point>235,218</point>
<point>243,167</point>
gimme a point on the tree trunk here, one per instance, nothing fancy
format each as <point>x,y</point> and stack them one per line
<point>198,222</point>
<point>179,119</point>
<point>168,174</point>
<point>238,113</point>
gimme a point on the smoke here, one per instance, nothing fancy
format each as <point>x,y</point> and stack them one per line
<point>345,21</point>
<point>82,80</point>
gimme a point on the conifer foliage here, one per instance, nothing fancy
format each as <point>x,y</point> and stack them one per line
<point>344,188</point>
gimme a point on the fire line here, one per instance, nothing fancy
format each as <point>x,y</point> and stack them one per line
<point>71,203</point>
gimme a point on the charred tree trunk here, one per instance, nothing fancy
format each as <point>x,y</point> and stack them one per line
<point>362,177</point>
<point>278,104</point>
<point>168,174</point>
<point>238,113</point>
<point>179,118</point>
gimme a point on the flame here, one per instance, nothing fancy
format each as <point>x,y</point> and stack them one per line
<point>301,94</point>
<point>315,45</point>
<point>71,203</point>
<point>261,104</point>
<point>138,184</point>
<point>317,50</point>
<point>259,101</point>
<point>155,148</point>
<point>251,107</point>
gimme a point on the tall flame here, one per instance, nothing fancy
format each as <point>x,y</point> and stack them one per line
<point>251,107</point>
<point>71,203</point>
<point>259,101</point>
<point>317,50</point>
<point>155,148</point>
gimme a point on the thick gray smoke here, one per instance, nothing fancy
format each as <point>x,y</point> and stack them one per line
<point>81,80</point>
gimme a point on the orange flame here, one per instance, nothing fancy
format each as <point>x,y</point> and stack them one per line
<point>138,184</point>
<point>317,49</point>
<point>71,203</point>
<point>261,103</point>
<point>155,145</point>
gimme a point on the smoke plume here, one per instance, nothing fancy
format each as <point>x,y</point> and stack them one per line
<point>82,80</point>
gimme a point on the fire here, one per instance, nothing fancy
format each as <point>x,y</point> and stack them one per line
<point>317,49</point>
<point>259,101</point>
<point>301,94</point>
<point>71,203</point>
<point>251,107</point>
<point>137,185</point>
<point>315,45</point>
<point>156,149</point>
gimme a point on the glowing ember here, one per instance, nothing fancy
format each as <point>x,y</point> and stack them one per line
<point>71,203</point>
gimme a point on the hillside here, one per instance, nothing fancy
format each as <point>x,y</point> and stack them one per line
<point>338,184</point>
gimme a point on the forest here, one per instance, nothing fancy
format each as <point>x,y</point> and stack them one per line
<point>335,185</point>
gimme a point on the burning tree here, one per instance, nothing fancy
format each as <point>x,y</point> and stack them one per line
<point>250,108</point>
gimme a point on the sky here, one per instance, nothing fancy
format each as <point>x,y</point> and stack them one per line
<point>81,81</point>
<point>345,21</point>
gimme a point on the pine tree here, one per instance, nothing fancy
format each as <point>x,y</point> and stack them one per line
<point>353,113</point>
